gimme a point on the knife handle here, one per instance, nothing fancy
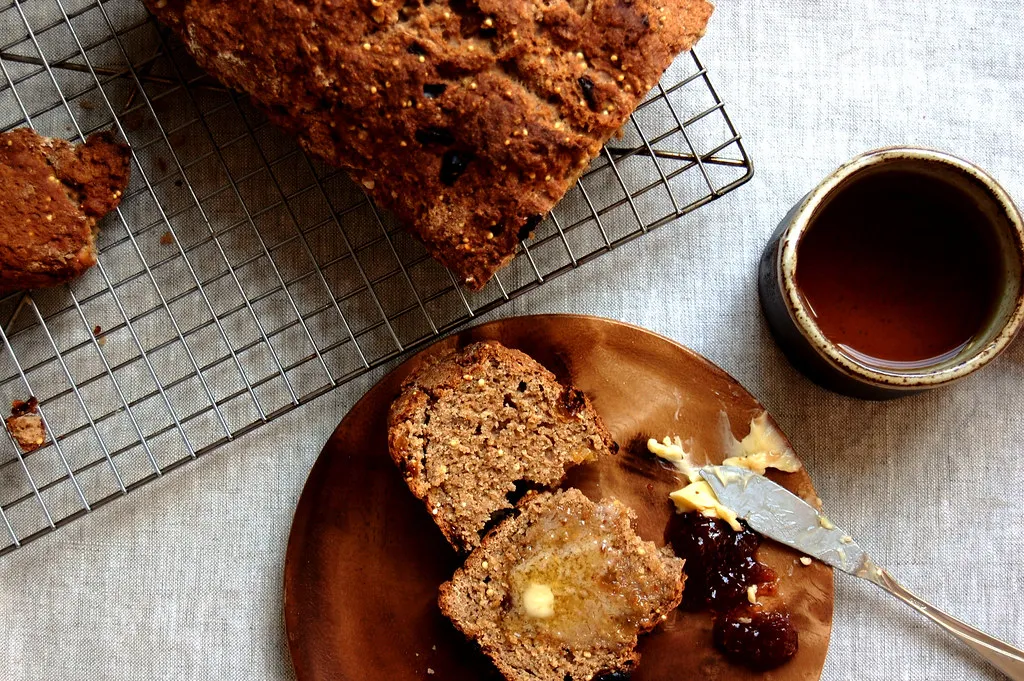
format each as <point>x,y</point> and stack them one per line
<point>1001,655</point>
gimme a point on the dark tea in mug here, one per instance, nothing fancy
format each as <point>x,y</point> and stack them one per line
<point>900,269</point>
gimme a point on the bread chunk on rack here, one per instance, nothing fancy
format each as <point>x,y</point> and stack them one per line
<point>26,425</point>
<point>469,119</point>
<point>563,590</point>
<point>52,195</point>
<point>478,427</point>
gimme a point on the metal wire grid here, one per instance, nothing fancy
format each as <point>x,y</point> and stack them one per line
<point>240,279</point>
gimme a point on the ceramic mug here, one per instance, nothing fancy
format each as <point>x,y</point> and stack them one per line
<point>826,362</point>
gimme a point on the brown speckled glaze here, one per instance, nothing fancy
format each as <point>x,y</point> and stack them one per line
<point>364,560</point>
<point>823,361</point>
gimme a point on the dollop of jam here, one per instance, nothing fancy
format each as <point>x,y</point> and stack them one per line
<point>721,565</point>
<point>759,640</point>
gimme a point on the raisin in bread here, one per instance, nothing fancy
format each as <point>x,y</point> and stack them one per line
<point>52,194</point>
<point>563,590</point>
<point>469,119</point>
<point>478,426</point>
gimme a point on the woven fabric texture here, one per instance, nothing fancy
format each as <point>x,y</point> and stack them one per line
<point>183,579</point>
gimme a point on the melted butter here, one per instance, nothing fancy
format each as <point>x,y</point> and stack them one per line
<point>672,451</point>
<point>698,496</point>
<point>539,601</point>
<point>762,448</point>
<point>574,563</point>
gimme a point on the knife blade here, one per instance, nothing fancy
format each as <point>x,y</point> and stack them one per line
<point>775,512</point>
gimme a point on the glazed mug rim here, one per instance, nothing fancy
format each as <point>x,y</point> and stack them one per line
<point>924,377</point>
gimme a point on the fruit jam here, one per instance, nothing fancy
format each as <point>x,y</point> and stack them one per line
<point>721,565</point>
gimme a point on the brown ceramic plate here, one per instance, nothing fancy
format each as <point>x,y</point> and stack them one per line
<point>365,559</point>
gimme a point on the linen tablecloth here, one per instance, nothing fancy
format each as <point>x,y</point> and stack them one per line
<point>182,580</point>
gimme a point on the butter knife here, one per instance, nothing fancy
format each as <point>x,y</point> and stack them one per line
<point>777,513</point>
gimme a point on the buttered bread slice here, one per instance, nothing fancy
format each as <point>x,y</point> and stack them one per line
<point>562,590</point>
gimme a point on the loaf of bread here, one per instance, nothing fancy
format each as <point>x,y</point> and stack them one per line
<point>469,119</point>
<point>477,428</point>
<point>563,590</point>
<point>52,194</point>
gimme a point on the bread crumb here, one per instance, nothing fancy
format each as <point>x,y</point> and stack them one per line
<point>805,561</point>
<point>25,425</point>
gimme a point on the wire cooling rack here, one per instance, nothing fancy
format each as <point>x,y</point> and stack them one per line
<point>240,279</point>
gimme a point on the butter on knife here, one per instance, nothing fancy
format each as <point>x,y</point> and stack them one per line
<point>762,448</point>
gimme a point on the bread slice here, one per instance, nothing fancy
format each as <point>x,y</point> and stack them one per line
<point>562,591</point>
<point>476,428</point>
<point>52,194</point>
<point>469,119</point>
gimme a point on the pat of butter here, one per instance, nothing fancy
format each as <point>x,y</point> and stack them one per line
<point>762,448</point>
<point>671,450</point>
<point>539,601</point>
<point>698,496</point>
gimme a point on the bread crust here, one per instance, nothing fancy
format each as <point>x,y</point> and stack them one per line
<point>52,194</point>
<point>469,119</point>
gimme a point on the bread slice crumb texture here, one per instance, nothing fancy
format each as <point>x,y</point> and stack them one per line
<point>52,195</point>
<point>475,429</point>
<point>563,590</point>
